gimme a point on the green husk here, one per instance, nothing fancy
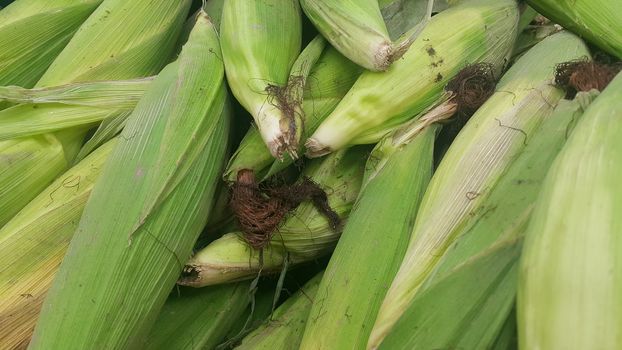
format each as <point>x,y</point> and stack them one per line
<point>474,321</point>
<point>486,277</point>
<point>258,311</point>
<point>329,80</point>
<point>260,42</point>
<point>304,235</point>
<point>402,16</point>
<point>198,318</point>
<point>355,28</point>
<point>47,110</point>
<point>508,336</point>
<point>33,33</point>
<point>125,256</point>
<point>475,167</point>
<point>374,240</point>
<point>33,244</point>
<point>120,40</point>
<point>380,101</point>
<point>285,327</point>
<point>598,21</point>
<point>569,286</point>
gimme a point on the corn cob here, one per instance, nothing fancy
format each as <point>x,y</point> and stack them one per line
<point>33,33</point>
<point>198,318</point>
<point>285,327</point>
<point>329,80</point>
<point>120,40</point>
<point>304,236</point>
<point>598,21</point>
<point>569,287</point>
<point>474,165</point>
<point>125,256</point>
<point>392,188</point>
<point>33,243</point>
<point>355,28</point>
<point>486,290</point>
<point>260,42</point>
<point>416,81</point>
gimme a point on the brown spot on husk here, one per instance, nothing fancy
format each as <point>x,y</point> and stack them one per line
<point>585,75</point>
<point>260,210</point>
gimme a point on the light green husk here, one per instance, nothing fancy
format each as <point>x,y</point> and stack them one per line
<point>120,40</point>
<point>374,240</point>
<point>33,33</point>
<point>329,80</point>
<point>33,244</point>
<point>598,21</point>
<point>45,110</point>
<point>284,329</point>
<point>126,254</point>
<point>569,286</point>
<point>380,101</point>
<point>465,301</point>
<point>475,164</point>
<point>304,236</point>
<point>198,318</point>
<point>355,28</point>
<point>260,42</point>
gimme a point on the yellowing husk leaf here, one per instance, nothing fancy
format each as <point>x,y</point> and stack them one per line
<point>33,243</point>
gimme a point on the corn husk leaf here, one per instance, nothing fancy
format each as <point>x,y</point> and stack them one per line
<point>125,256</point>
<point>377,233</point>
<point>379,102</point>
<point>198,318</point>
<point>285,327</point>
<point>33,33</point>
<point>508,336</point>
<point>33,243</point>
<point>598,21</point>
<point>402,16</point>
<point>329,80</point>
<point>441,312</point>
<point>476,320</point>
<point>305,235</point>
<point>354,28</point>
<point>475,165</point>
<point>139,46</point>
<point>569,285</point>
<point>260,42</point>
